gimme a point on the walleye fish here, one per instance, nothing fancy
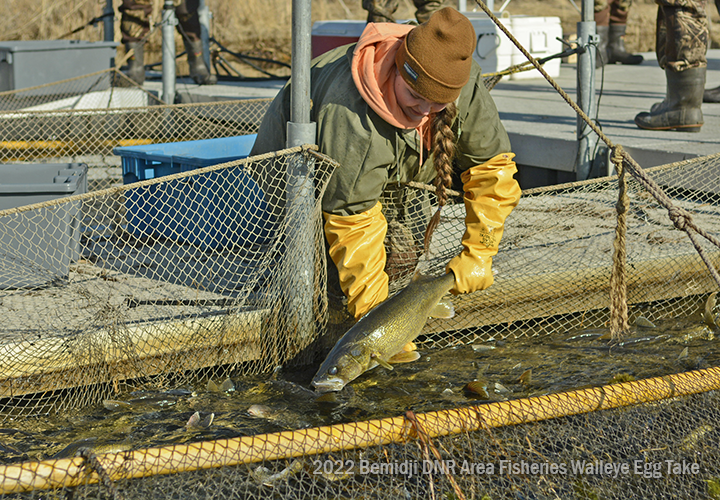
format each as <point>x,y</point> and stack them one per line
<point>385,334</point>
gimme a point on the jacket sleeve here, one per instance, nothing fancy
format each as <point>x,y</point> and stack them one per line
<point>482,136</point>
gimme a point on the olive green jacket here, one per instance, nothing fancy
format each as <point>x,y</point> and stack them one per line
<point>372,153</point>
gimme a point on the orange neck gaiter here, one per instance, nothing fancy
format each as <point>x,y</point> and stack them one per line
<point>373,71</point>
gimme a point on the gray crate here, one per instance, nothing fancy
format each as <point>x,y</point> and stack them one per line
<point>37,246</point>
<point>37,62</point>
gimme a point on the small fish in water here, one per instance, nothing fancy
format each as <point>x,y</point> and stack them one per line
<point>92,443</point>
<point>281,417</point>
<point>381,337</point>
<point>113,405</point>
<point>261,411</point>
<point>147,399</point>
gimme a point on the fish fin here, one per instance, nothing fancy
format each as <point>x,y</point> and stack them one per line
<point>444,309</point>
<point>194,420</point>
<point>207,421</point>
<point>410,346</point>
<point>405,357</point>
<point>227,386</point>
<point>381,361</point>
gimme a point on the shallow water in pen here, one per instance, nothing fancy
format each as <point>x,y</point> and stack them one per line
<point>497,370</point>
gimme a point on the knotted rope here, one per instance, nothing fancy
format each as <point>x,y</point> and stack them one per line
<point>618,287</point>
<point>680,218</point>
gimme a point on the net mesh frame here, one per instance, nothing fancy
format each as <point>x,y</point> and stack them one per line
<point>179,274</point>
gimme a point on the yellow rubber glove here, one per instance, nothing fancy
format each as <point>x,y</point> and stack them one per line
<point>357,249</point>
<point>491,193</point>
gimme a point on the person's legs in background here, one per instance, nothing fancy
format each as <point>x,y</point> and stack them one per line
<point>134,26</point>
<point>383,11</point>
<point>189,27</point>
<point>380,11</point>
<point>713,95</point>
<point>611,25</point>
<point>681,45</point>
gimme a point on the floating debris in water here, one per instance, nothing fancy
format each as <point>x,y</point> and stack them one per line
<point>262,474</point>
<point>691,441</point>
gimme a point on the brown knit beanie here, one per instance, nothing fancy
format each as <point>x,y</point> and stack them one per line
<point>435,57</point>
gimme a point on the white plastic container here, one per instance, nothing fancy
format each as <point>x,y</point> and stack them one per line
<point>540,36</point>
<point>495,52</point>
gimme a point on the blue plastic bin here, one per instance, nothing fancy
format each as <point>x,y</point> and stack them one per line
<point>218,209</point>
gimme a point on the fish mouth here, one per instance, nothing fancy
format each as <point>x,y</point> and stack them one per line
<point>328,384</point>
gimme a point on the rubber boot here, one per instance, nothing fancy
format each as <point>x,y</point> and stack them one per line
<point>601,56</point>
<point>198,71</point>
<point>616,47</point>
<point>681,109</point>
<point>712,95</point>
<point>136,64</point>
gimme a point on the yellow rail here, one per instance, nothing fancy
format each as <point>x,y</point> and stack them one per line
<point>283,445</point>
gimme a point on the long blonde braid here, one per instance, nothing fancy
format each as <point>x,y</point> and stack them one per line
<point>444,152</point>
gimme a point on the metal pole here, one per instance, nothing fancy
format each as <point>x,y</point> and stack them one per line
<point>300,130</point>
<point>108,22</point>
<point>300,196</point>
<point>169,21</point>
<point>587,139</point>
<point>204,16</point>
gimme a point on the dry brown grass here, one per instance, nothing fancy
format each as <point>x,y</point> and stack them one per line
<point>262,27</point>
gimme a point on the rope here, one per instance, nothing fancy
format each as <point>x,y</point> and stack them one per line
<point>92,460</point>
<point>682,219</point>
<point>427,444</point>
<point>618,287</point>
<point>431,188</point>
